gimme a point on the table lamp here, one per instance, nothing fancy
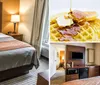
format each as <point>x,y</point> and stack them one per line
<point>15,19</point>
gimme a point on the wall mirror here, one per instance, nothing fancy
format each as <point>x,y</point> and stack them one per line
<point>91,55</point>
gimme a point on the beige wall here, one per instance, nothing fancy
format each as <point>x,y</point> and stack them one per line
<point>97,53</point>
<point>26,13</point>
<point>62,46</point>
<point>26,10</point>
<point>59,47</point>
<point>9,7</point>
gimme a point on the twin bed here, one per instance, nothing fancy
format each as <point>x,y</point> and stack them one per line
<point>16,57</point>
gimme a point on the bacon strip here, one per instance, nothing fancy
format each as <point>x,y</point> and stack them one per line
<point>66,38</point>
<point>76,28</point>
<point>68,33</point>
<point>72,31</point>
<point>78,14</point>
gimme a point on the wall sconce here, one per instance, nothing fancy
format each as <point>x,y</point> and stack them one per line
<point>15,19</point>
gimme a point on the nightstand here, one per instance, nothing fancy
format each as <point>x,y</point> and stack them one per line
<point>43,78</point>
<point>17,36</point>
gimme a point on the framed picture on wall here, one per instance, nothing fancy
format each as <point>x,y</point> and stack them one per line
<point>91,55</point>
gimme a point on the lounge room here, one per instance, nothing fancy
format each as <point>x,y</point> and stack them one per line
<point>75,64</point>
<point>24,37</point>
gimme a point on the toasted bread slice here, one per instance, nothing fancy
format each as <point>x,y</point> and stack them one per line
<point>90,16</point>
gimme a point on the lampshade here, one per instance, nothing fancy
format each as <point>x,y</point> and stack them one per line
<point>15,18</point>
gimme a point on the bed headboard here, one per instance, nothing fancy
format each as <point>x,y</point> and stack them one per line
<point>0,16</point>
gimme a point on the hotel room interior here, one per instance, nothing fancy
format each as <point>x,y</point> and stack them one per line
<point>24,48</point>
<point>75,64</point>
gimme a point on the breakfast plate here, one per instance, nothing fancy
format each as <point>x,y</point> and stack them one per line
<point>75,26</point>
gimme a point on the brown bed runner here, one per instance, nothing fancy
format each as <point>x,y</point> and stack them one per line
<point>12,45</point>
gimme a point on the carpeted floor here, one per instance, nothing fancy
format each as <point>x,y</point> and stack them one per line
<point>28,79</point>
<point>31,77</point>
<point>59,77</point>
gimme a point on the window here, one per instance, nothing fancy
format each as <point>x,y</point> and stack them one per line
<point>45,38</point>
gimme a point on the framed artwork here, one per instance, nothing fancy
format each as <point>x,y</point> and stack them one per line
<point>91,55</point>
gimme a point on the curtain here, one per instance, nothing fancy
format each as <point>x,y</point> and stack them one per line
<point>46,25</point>
<point>37,29</point>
